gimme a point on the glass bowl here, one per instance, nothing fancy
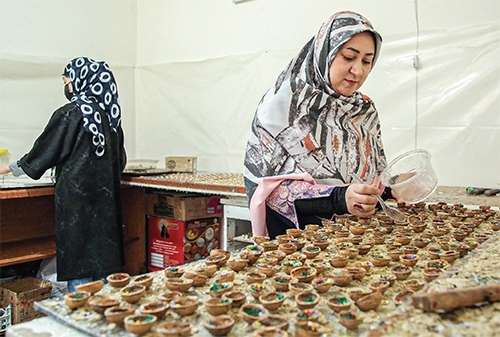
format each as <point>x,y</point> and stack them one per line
<point>411,176</point>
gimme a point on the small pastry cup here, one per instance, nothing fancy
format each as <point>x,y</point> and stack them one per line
<point>218,306</point>
<point>76,299</point>
<point>369,302</point>
<point>269,331</point>
<point>118,280</point>
<point>287,248</point>
<point>184,305</point>
<point>281,282</point>
<point>380,286</point>
<point>401,272</point>
<point>139,324</point>
<point>409,260</point>
<point>144,280</point>
<point>252,312</point>
<point>237,264</point>
<point>132,293</point>
<point>322,284</point>
<point>174,329</point>
<point>275,321</point>
<point>237,298</point>
<point>381,261</point>
<point>91,287</point>
<point>298,287</point>
<point>303,274</point>
<point>307,299</point>
<point>342,279</point>
<point>339,303</point>
<point>350,320</point>
<point>168,296</point>
<point>218,289</point>
<point>117,314</point>
<point>100,303</point>
<point>157,308</point>
<point>179,284</point>
<point>173,272</point>
<point>199,279</point>
<point>255,277</point>
<point>357,273</point>
<point>272,301</point>
<point>219,325</point>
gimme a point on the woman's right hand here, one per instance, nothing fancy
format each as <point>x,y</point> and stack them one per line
<point>361,199</point>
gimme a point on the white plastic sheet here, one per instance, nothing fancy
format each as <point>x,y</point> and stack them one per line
<point>38,38</point>
<point>191,73</point>
<point>197,91</point>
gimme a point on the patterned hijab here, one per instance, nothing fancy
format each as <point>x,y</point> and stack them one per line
<point>96,94</point>
<point>303,125</point>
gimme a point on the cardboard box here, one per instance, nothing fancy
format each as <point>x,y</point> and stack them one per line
<point>172,242</point>
<point>181,164</point>
<point>21,294</point>
<point>183,206</point>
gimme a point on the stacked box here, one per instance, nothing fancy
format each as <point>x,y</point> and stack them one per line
<point>181,228</point>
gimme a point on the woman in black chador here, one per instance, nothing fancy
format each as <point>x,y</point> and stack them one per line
<point>84,141</point>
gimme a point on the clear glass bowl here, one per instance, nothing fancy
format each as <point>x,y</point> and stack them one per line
<point>411,176</point>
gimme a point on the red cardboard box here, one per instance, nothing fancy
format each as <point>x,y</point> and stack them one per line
<point>172,242</point>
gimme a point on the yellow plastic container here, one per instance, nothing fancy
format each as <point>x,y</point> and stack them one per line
<point>4,156</point>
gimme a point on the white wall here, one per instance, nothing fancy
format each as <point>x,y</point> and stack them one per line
<point>38,38</point>
<point>202,67</point>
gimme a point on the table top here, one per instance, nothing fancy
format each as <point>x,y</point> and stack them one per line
<point>465,270</point>
<point>229,184</point>
<point>43,326</point>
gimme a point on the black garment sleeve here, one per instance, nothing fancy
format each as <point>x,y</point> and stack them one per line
<point>123,153</point>
<point>310,211</point>
<point>54,144</point>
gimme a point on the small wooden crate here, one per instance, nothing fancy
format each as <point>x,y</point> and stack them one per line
<point>181,164</point>
<point>21,294</point>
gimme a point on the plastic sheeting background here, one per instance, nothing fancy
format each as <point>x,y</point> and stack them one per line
<point>191,73</point>
<point>38,38</point>
<point>203,67</point>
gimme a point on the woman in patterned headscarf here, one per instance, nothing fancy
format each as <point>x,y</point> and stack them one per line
<point>83,140</point>
<point>313,132</point>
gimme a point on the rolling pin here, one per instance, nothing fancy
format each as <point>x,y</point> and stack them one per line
<point>457,298</point>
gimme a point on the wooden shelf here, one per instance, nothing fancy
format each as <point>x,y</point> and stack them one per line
<point>32,192</point>
<point>26,251</point>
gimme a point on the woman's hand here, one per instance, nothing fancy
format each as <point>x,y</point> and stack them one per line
<point>4,169</point>
<point>361,199</point>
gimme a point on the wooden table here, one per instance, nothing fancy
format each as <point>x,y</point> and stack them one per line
<point>27,215</point>
<point>27,227</point>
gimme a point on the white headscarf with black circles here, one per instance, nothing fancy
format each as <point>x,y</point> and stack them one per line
<point>96,94</point>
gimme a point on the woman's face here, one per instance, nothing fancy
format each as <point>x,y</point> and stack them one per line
<point>352,64</point>
<point>68,87</point>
